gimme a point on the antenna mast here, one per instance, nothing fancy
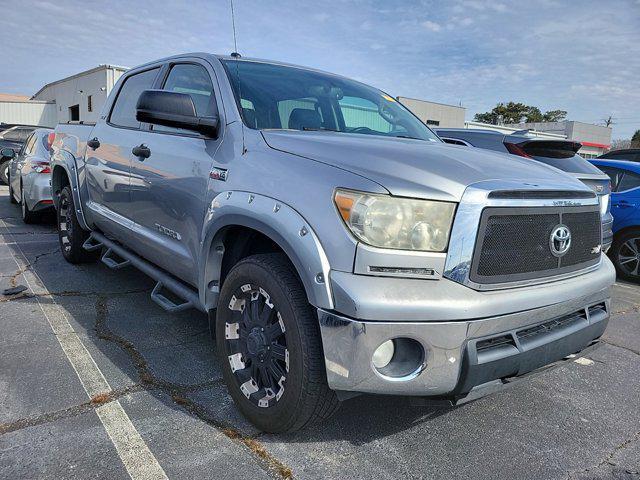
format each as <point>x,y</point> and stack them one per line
<point>236,56</point>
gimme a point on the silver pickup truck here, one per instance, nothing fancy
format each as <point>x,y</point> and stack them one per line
<point>336,243</point>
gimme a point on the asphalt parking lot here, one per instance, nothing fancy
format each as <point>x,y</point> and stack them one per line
<point>96,381</point>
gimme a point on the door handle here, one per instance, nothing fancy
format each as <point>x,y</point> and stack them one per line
<point>141,151</point>
<point>93,143</point>
<point>622,204</point>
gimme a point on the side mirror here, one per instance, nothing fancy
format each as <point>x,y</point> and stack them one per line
<point>8,153</point>
<point>173,109</point>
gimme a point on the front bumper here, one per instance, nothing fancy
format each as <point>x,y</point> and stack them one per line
<point>464,353</point>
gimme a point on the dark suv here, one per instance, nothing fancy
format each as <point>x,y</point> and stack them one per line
<point>13,138</point>
<point>559,153</point>
<point>630,154</point>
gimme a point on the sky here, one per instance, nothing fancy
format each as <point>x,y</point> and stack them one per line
<point>581,56</point>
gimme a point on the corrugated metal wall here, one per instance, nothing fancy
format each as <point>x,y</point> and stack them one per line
<point>29,113</point>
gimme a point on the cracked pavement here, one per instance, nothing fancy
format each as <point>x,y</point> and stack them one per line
<point>579,421</point>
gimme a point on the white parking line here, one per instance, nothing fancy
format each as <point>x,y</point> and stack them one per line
<point>630,287</point>
<point>131,448</point>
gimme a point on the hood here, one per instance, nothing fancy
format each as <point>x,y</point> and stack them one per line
<point>417,168</point>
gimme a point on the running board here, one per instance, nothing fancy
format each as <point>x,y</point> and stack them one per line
<point>165,282</point>
<point>113,263</point>
<point>91,244</point>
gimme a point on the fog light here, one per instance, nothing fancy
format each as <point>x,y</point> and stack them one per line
<point>383,354</point>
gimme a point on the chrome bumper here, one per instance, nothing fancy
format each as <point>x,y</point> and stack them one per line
<point>452,364</point>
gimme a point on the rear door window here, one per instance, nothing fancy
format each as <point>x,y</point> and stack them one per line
<point>615,175</point>
<point>123,113</point>
<point>628,181</point>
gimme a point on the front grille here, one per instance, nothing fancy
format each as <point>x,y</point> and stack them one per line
<point>514,243</point>
<point>539,194</point>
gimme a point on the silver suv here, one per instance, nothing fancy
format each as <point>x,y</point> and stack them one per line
<point>337,244</point>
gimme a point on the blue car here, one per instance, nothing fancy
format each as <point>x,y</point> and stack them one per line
<point>625,208</point>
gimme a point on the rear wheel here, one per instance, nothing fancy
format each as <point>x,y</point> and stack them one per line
<point>268,343</point>
<point>27,215</point>
<point>71,235</point>
<point>625,254</point>
<point>12,194</point>
<point>4,172</point>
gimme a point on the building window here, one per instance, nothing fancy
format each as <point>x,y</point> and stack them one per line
<point>89,104</point>
<point>434,123</point>
<point>74,113</point>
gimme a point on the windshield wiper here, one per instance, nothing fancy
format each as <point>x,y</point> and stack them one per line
<point>407,136</point>
<point>312,129</point>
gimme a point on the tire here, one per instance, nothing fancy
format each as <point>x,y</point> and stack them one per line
<point>28,216</point>
<point>12,197</point>
<point>4,172</point>
<point>264,315</point>
<point>625,255</point>
<point>70,234</point>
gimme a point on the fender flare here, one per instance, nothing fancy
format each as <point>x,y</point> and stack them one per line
<point>64,160</point>
<point>278,221</point>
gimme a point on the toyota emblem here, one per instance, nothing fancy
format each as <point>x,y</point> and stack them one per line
<point>560,240</point>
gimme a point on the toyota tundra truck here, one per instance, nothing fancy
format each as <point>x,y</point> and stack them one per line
<point>337,245</point>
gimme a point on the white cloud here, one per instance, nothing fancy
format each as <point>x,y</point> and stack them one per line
<point>433,26</point>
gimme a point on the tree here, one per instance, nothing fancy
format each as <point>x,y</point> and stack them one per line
<point>554,115</point>
<point>608,121</point>
<point>620,144</point>
<point>503,113</point>
<point>513,112</point>
<point>635,140</point>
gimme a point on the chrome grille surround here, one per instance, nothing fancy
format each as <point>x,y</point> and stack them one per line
<point>476,198</point>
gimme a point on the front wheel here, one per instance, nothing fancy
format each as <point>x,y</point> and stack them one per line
<point>625,255</point>
<point>71,235</point>
<point>268,342</point>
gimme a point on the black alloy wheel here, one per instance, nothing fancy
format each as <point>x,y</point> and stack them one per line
<point>269,345</point>
<point>257,346</point>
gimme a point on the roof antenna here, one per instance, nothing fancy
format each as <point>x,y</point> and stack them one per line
<point>235,55</point>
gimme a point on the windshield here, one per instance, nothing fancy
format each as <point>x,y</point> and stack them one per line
<point>282,97</point>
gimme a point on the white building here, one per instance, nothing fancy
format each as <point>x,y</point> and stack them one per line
<point>20,109</point>
<point>435,114</point>
<point>79,97</point>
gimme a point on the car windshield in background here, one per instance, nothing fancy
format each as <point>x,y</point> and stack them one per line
<point>282,97</point>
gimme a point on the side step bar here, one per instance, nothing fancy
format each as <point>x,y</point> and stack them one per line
<point>124,258</point>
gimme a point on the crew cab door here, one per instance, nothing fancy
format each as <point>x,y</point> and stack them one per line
<point>108,155</point>
<point>168,186</point>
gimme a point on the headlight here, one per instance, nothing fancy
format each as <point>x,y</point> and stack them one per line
<point>604,204</point>
<point>400,223</point>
